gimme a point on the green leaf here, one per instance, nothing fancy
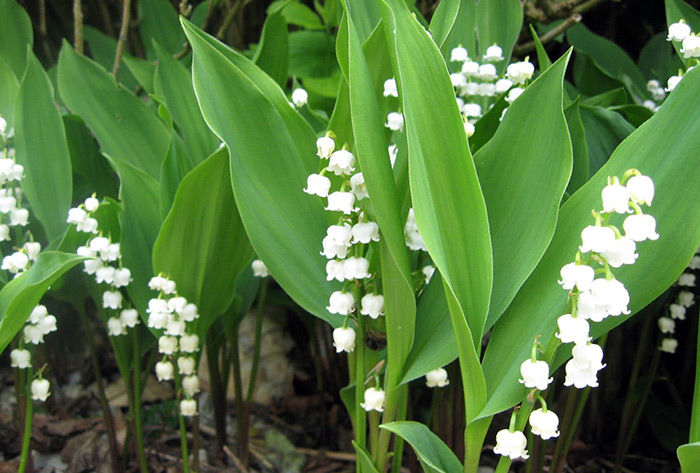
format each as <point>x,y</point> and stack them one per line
<point>364,459</point>
<point>689,456</point>
<point>579,173</point>
<point>41,148</point>
<point>176,165</point>
<point>542,57</point>
<point>604,131</point>
<point>677,10</point>
<point>202,230</point>
<point>125,127</point>
<point>245,108</point>
<point>15,36</point>
<point>142,70</point>
<point>103,49</point>
<point>660,149</point>
<point>272,54</point>
<point>443,20</point>
<point>658,60</point>
<point>311,54</point>
<point>174,82</point>
<point>296,13</point>
<point>537,161</point>
<point>158,22</point>
<point>19,297</point>
<point>432,452</point>
<point>9,85</point>
<point>607,99</point>
<point>366,15</point>
<point>589,78</point>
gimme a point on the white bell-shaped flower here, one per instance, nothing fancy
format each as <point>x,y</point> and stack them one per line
<point>470,68</point>
<point>610,296</point>
<point>332,250</point>
<point>580,377</point>
<point>4,232</point>
<point>164,371</point>
<point>15,263</point>
<point>672,83</point>
<point>340,234</point>
<point>544,424</point>
<point>579,275</point>
<point>259,270</point>
<point>535,374</point>
<point>48,325</point>
<point>486,89</point>
<point>470,89</point>
<point>667,325</point>
<point>678,31</point>
<point>356,268</point>
<point>437,378</point>
<point>622,251</point>
<point>472,110</point>
<point>189,344</point>
<point>33,249</point>
<point>372,305</point>
<point>690,46</point>
<point>33,334</point>
<point>158,320</point>
<point>374,400</point>
<point>487,72</point>
<point>686,279</point>
<point>19,217</point>
<point>175,327</point>
<point>129,317</point>
<point>459,54</point>
<point>300,97</point>
<point>324,147</point>
<point>188,407</point>
<point>190,384</point>
<point>167,345</point>
<point>38,314</point>
<point>390,89</point>
<point>115,327</point>
<point>458,79</point>
<point>41,389</point>
<point>344,339</point>
<point>317,185</point>
<point>513,94</point>
<point>358,186</point>
<point>335,269</point>
<point>341,303</point>
<point>641,189</point>
<point>572,329</point>
<point>502,85</point>
<point>677,311</point>
<point>158,305</point>
<point>597,239</point>
<point>511,444</point>
<point>669,345</point>
<point>469,129</point>
<point>616,198</point>
<point>186,365</point>
<point>112,300</point>
<point>122,277</point>
<point>428,272</point>
<point>640,227</point>
<point>394,121</point>
<point>341,202</point>
<point>520,72</point>
<point>105,274</point>
<point>694,262</point>
<point>364,232</point>
<point>686,298</point>
<point>20,358</point>
<point>588,356</point>
<point>342,162</point>
<point>91,204</point>
<point>493,54</point>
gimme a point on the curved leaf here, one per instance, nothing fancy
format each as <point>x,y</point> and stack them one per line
<point>272,54</point>
<point>158,22</point>
<point>9,85</point>
<point>434,455</point>
<point>16,36</point>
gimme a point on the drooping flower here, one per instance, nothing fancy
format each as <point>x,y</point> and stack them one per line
<point>164,370</point>
<point>610,295</point>
<point>493,54</point>
<point>342,303</point>
<point>356,268</point>
<point>677,311</point>
<point>686,298</point>
<point>324,147</point>
<point>300,97</point>
<point>511,444</point>
<point>190,384</point>
<point>372,305</point>
<point>535,374</point>
<point>390,89</point>
<point>115,327</point>
<point>259,270</point>
<point>20,358</point>
<point>690,46</point>
<point>374,400</point>
<point>579,275</point>
<point>616,199</point>
<point>687,280</point>
<point>487,72</point>
<point>129,317</point>
<point>622,251</point>
<point>641,189</point>
<point>358,186</point>
<point>459,54</point>
<point>667,325</point>
<point>513,94</point>
<point>342,162</point>
<point>678,31</point>
<point>335,269</point>
<point>572,329</point>
<point>436,378</point>
<point>341,202</point>
<point>41,389</point>
<point>317,185</point>
<point>188,407</point>
<point>544,423</point>
<point>364,232</point>
<point>669,345</point>
<point>112,300</point>
<point>189,343</point>
<point>394,121</point>
<point>167,345</point>
<point>344,339</point>
<point>598,239</point>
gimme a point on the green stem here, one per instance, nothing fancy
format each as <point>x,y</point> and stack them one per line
<point>240,401</point>
<point>399,443</point>
<point>181,421</point>
<point>695,413</point>
<point>28,413</point>
<point>138,427</point>
<point>360,415</point>
<point>258,336</point>
<point>218,392</point>
<point>374,433</point>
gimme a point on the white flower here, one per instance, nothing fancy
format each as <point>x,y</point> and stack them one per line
<point>33,334</point>
<point>365,232</point>
<point>300,97</point>
<point>493,54</point>
<point>189,313</point>
<point>658,95</point>
<point>341,202</point>
<point>157,283</point>
<point>667,325</point>
<point>340,234</point>
<point>390,89</point>
<point>597,239</point>
<point>185,365</point>
<point>115,327</point>
<point>317,185</point>
<point>20,358</point>
<point>38,314</point>
<point>535,374</point>
<point>580,377</point>
<point>122,277</point>
<point>459,54</point>
<point>393,153</point>
<point>694,262</point>
<point>640,227</point>
<point>622,251</point>
<point>544,424</point>
<point>487,72</point>
<point>188,407</point>
<point>7,203</point>
<point>342,162</point>
<point>324,147</point>
<point>33,249</point>
<point>259,269</point>
<point>99,245</point>
<point>686,279</point>
<point>190,384</point>
<point>41,389</point>
<point>167,345</point>
<point>469,129</point>
<point>413,238</point>
<point>519,72</point>
<point>4,232</point>
<point>112,300</point>
<point>176,304</point>
<point>17,172</point>
<point>513,94</point>
<point>372,305</point>
<point>650,104</point>
<point>374,400</point>
<point>164,370</point>
<point>678,31</point>
<point>89,225</point>
<point>157,305</point>
<point>428,272</point>
<point>436,378</point>
<point>458,79</point>
<point>641,189</point>
<point>579,275</point>
<point>470,88</point>
<point>669,345</point>
<point>616,198</point>
<point>48,324</point>
<point>572,329</point>
<point>189,344</point>
<point>394,121</point>
<point>15,263</point>
<point>511,444</point>
<point>3,126</point>
<point>91,204</point>
<point>611,296</point>
<point>470,68</point>
<point>677,311</point>
<point>175,327</point>
<point>502,85</point>
<point>105,274</point>
<point>112,253</point>
<point>673,82</point>
<point>129,317</point>
<point>344,339</point>
<point>588,356</point>
<point>472,110</point>
<point>358,186</point>
<point>342,303</point>
<point>91,266</point>
<point>588,309</point>
<point>686,298</point>
<point>691,46</point>
<point>332,250</point>
<point>335,269</point>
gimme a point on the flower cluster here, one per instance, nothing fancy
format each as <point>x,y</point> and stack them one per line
<point>603,247</point>
<point>684,298</point>
<point>105,264</point>
<point>479,81</point>
<point>40,323</point>
<point>690,49</point>
<point>174,315</point>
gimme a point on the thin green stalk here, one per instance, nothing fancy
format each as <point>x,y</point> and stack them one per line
<point>360,418</point>
<point>374,433</point>
<point>240,401</point>
<point>195,443</point>
<point>399,443</point>
<point>218,393</point>
<point>695,413</point>
<point>394,396</point>
<point>138,427</point>
<point>28,413</point>
<point>183,426</point>
<point>258,336</point>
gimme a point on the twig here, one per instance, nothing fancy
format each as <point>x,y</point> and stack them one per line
<point>259,457</point>
<point>236,461</point>
<point>123,32</point>
<point>230,16</point>
<point>549,35</point>
<point>587,5</point>
<point>78,26</point>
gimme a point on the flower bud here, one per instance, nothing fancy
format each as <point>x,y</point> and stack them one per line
<point>41,389</point>
<point>188,407</point>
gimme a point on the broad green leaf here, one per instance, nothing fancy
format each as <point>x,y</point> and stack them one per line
<point>19,297</point>
<point>41,148</point>
<point>658,60</point>
<point>311,54</point>
<point>9,85</point>
<point>609,57</point>
<point>158,22</point>
<point>523,171</point>
<point>366,14</point>
<point>202,244</point>
<point>443,20</point>
<point>542,57</point>
<point>634,114</point>
<point>579,173</point>
<point>142,70</point>
<point>660,149</point>
<point>103,48</point>
<point>462,32</point>
<point>364,459</point>
<point>285,225</point>
<point>296,13</point>
<point>487,125</point>
<point>689,456</point>
<point>272,54</point>
<point>15,36</point>
<point>677,10</point>
<point>604,131</point>
<point>174,82</point>
<point>434,455</point>
<point>176,165</point>
<point>589,78</point>
<point>607,99</point>
<point>125,127</point>
<point>140,222</point>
